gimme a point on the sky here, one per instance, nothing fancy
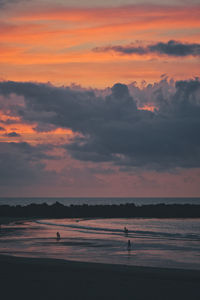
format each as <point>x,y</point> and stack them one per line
<point>99,98</point>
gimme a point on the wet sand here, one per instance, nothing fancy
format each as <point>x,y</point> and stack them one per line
<point>9,220</point>
<point>31,278</point>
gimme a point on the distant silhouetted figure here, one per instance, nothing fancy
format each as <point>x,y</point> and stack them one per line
<point>58,236</point>
<point>129,245</point>
<point>125,230</point>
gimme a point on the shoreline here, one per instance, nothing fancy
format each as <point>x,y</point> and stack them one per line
<point>62,279</point>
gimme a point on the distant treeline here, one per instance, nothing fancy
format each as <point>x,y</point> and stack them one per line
<point>58,210</point>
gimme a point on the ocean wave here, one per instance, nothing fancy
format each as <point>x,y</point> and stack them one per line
<point>131,233</point>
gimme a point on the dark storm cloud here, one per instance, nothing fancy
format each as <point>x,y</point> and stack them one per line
<point>12,134</point>
<point>47,104</point>
<point>171,48</point>
<point>21,164</point>
<point>113,129</point>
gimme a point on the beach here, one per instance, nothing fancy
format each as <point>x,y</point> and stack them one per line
<point>160,243</point>
<point>30,278</point>
<point>49,278</point>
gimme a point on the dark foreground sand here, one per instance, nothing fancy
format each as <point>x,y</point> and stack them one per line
<point>29,278</point>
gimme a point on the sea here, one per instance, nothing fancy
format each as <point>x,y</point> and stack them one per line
<point>165,243</point>
<point>96,201</point>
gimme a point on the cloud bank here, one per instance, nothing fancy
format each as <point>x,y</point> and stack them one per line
<point>112,127</point>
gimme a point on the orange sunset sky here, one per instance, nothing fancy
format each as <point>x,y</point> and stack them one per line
<point>54,42</point>
<point>67,129</point>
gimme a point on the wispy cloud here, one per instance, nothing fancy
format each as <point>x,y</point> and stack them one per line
<point>53,42</point>
<point>12,134</point>
<point>170,48</point>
